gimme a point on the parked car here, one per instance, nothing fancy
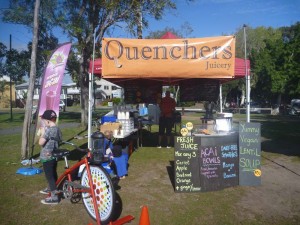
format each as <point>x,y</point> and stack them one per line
<point>255,107</point>
<point>62,106</point>
<point>295,107</point>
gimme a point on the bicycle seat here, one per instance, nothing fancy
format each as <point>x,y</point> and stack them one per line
<point>59,153</point>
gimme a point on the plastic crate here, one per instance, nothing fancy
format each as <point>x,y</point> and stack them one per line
<point>106,119</point>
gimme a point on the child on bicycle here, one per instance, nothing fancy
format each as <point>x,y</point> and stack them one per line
<point>50,136</point>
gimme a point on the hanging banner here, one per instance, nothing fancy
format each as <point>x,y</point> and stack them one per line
<point>52,80</point>
<point>212,57</point>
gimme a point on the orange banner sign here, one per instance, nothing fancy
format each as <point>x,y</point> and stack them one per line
<point>212,57</point>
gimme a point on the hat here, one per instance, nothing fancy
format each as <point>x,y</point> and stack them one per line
<point>49,115</point>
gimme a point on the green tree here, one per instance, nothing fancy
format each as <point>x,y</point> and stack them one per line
<point>83,19</point>
<point>256,42</point>
<point>3,51</point>
<point>269,66</point>
<point>291,36</point>
<point>184,31</point>
<point>16,65</point>
<point>277,66</point>
<point>22,12</point>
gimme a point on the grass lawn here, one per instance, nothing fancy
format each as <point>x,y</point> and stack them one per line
<point>149,182</point>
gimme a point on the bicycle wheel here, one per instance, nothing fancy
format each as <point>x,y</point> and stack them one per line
<point>104,191</point>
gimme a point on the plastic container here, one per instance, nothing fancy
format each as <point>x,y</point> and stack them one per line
<point>105,119</point>
<point>107,167</point>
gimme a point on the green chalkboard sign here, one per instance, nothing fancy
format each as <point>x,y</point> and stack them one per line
<point>186,166</point>
<point>249,154</point>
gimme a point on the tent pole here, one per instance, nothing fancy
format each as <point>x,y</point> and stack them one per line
<point>90,110</point>
<point>90,113</point>
<point>221,100</point>
<point>247,78</point>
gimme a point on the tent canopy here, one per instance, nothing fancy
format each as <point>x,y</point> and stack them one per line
<point>192,89</point>
<point>239,69</point>
<point>169,35</point>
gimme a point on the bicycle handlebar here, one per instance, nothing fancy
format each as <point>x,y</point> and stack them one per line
<point>75,146</point>
<point>94,158</point>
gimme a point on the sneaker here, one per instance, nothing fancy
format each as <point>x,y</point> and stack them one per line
<point>45,191</point>
<point>50,201</point>
<point>168,147</point>
<point>159,146</point>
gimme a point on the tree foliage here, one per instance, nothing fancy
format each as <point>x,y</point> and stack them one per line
<point>84,20</point>
<point>276,66</point>
<point>3,51</point>
<point>291,37</point>
<point>265,49</point>
<point>183,32</point>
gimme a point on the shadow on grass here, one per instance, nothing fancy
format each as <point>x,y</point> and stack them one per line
<point>170,170</point>
<point>150,138</point>
<point>281,134</point>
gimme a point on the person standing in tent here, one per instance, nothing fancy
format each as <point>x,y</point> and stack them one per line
<point>167,107</point>
<point>209,107</point>
<point>50,136</point>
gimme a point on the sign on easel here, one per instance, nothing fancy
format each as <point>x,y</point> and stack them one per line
<point>249,154</point>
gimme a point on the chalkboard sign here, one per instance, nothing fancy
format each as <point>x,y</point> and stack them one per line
<point>230,164</point>
<point>210,168</point>
<point>186,166</point>
<point>209,162</point>
<point>250,154</point>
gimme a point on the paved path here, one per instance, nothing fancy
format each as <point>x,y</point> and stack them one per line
<point>18,130</point>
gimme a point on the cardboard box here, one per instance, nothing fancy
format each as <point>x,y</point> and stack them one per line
<point>109,126</point>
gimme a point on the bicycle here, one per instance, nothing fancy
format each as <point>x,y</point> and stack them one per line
<point>95,187</point>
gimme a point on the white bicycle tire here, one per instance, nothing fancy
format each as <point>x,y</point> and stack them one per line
<point>104,192</point>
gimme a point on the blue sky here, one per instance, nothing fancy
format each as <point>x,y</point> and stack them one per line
<point>206,17</point>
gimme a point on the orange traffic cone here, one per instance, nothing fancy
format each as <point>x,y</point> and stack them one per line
<point>144,219</point>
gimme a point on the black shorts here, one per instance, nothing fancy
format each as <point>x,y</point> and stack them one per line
<point>165,125</point>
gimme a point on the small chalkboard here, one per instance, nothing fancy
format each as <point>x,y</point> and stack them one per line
<point>186,166</point>
<point>230,164</point>
<point>210,168</point>
<point>249,154</point>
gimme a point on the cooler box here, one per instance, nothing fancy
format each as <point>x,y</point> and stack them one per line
<point>110,118</point>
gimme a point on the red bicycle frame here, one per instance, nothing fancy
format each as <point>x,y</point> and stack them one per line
<point>68,174</point>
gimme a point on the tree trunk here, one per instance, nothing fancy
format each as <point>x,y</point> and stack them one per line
<point>140,22</point>
<point>177,93</point>
<point>28,108</point>
<point>243,96</point>
<point>275,109</point>
<point>84,96</point>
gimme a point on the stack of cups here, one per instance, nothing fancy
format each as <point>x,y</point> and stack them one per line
<point>126,122</point>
